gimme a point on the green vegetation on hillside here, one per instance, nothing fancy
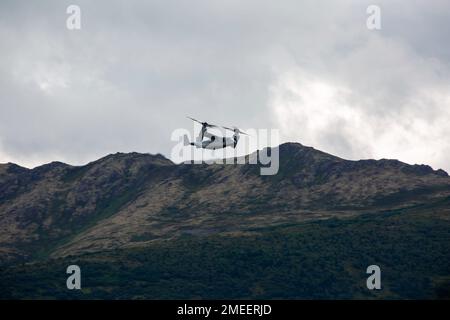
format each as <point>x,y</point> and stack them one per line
<point>323,259</point>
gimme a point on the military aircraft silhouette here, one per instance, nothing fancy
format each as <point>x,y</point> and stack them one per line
<point>212,141</point>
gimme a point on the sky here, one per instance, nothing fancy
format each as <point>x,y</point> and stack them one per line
<point>310,69</point>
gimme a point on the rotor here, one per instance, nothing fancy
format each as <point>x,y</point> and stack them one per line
<point>209,125</point>
<point>204,124</point>
<point>235,130</point>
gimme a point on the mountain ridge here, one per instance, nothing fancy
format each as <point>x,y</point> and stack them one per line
<point>162,157</point>
<point>133,199</point>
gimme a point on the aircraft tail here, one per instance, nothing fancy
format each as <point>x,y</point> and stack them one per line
<point>186,140</point>
<point>236,139</point>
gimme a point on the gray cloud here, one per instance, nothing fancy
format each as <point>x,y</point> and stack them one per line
<point>312,69</point>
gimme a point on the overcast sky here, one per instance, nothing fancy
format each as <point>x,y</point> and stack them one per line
<point>312,69</point>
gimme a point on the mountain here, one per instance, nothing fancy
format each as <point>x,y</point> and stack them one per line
<point>132,204</point>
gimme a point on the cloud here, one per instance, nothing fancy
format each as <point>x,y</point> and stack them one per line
<point>133,72</point>
<point>381,101</point>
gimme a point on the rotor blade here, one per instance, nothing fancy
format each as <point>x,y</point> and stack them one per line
<point>203,123</point>
<point>243,132</point>
<point>228,128</point>
<point>233,129</point>
<point>194,120</point>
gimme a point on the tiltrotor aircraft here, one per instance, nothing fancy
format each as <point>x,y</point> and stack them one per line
<point>212,141</point>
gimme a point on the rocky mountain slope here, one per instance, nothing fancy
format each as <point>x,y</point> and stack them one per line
<point>133,200</point>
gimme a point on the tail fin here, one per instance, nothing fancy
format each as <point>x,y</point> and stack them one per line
<point>236,139</point>
<point>186,140</point>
